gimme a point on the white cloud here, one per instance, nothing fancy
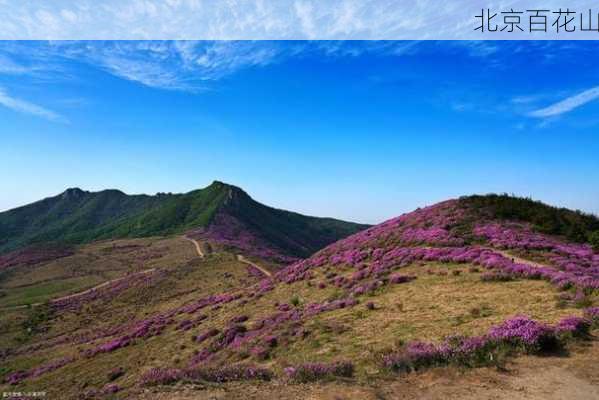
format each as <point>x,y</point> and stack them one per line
<point>8,66</point>
<point>190,65</point>
<point>567,104</point>
<point>171,65</point>
<point>25,107</point>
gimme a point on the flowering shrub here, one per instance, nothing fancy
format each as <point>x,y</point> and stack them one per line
<point>236,372</point>
<point>110,388</point>
<point>526,333</point>
<point>34,255</point>
<point>311,372</point>
<point>414,356</point>
<point>208,334</point>
<point>254,272</point>
<point>575,326</point>
<point>17,377</point>
<point>161,376</point>
<point>592,314</point>
<point>518,333</point>
<point>108,292</point>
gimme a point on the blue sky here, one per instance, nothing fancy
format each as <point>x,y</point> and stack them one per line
<point>362,131</point>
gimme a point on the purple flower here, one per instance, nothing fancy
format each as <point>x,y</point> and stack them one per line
<point>576,326</point>
<point>208,334</point>
<point>161,376</point>
<point>310,372</point>
<point>525,331</point>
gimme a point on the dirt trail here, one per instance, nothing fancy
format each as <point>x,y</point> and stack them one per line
<point>70,296</point>
<point>244,260</point>
<point>196,244</point>
<point>240,258</point>
<point>517,259</point>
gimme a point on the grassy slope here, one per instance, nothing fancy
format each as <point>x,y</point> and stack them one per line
<point>91,265</point>
<point>80,217</point>
<point>428,308</point>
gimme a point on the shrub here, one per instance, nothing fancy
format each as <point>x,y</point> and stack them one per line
<point>594,240</point>
<point>413,356</point>
<point>295,301</point>
<point>575,326</point>
<point>518,333</point>
<point>399,278</point>
<point>496,276</point>
<point>239,319</point>
<point>208,334</point>
<point>161,376</point>
<point>581,300</point>
<point>311,372</point>
<point>236,372</point>
<point>592,314</point>
<point>116,373</point>
<point>525,333</point>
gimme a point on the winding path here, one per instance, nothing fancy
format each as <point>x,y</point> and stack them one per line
<point>244,260</point>
<point>198,249</point>
<point>240,257</point>
<point>86,291</point>
<point>197,246</point>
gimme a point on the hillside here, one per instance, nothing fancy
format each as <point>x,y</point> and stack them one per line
<point>450,288</point>
<point>224,211</point>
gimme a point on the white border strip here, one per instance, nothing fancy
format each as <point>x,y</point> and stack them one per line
<point>280,19</point>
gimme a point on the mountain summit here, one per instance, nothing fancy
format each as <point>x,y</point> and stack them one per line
<point>221,212</point>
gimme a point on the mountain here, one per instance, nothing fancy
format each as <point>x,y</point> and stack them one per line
<point>221,211</point>
<point>464,283</point>
<point>503,221</point>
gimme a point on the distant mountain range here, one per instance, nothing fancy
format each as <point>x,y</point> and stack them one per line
<point>221,212</point>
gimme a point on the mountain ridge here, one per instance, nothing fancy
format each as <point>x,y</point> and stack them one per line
<point>77,216</point>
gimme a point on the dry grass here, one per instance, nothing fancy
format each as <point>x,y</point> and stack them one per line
<point>91,265</point>
<point>428,308</point>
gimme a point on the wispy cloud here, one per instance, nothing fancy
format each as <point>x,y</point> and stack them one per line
<point>26,107</point>
<point>171,65</point>
<point>183,65</point>
<point>567,104</point>
<point>8,66</point>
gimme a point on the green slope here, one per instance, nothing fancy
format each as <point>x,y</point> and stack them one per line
<point>294,233</point>
<point>78,216</point>
<point>574,225</point>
